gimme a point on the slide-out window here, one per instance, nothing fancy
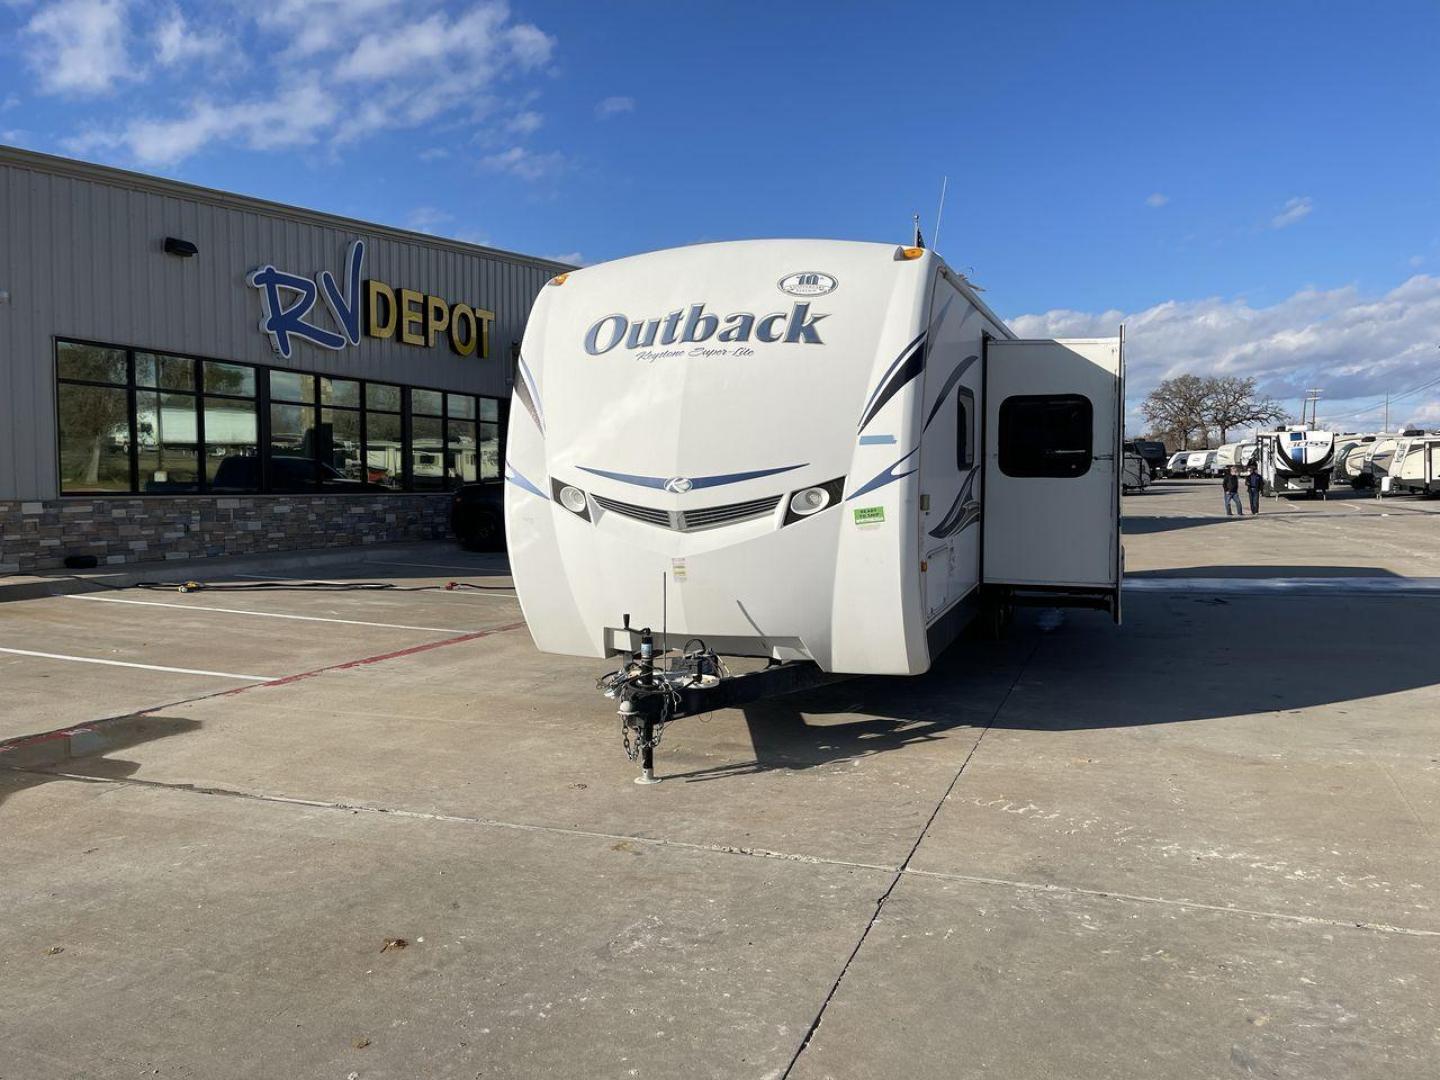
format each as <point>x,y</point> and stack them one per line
<point>965,429</point>
<point>1046,435</point>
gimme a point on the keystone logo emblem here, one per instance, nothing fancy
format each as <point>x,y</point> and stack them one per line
<point>679,484</point>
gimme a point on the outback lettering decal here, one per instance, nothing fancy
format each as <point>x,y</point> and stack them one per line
<point>794,327</point>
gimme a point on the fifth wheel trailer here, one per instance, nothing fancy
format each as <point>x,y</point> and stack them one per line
<point>801,450</point>
<point>1290,458</point>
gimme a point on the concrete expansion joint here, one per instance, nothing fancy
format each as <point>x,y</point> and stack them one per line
<point>1198,905</point>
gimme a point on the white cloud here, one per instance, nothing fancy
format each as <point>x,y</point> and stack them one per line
<point>1356,346</point>
<point>428,219</point>
<point>1294,210</point>
<point>1417,261</point>
<point>525,123</point>
<point>297,118</point>
<point>526,164</point>
<point>614,106</point>
<point>434,153</point>
<point>313,58</point>
<point>79,47</point>
<point>176,42</point>
<point>571,258</point>
<point>10,102</point>
<point>1157,200</point>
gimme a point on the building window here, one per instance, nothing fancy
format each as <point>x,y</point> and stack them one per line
<point>152,423</point>
<point>167,430</point>
<point>384,437</point>
<point>1046,435</point>
<point>95,419</point>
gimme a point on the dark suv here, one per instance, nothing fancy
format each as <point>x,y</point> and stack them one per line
<point>477,516</point>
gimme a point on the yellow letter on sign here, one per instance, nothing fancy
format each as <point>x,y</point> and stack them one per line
<point>463,335</point>
<point>410,317</point>
<point>437,318</point>
<point>485,318</point>
<point>378,323</point>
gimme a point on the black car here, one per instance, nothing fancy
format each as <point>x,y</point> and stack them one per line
<point>477,516</point>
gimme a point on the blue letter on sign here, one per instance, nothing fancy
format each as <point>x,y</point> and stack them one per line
<point>280,322</point>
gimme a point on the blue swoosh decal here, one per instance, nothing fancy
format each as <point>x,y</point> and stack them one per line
<point>886,476</point>
<point>908,367</point>
<point>514,477</point>
<point>954,378</point>
<point>696,482</point>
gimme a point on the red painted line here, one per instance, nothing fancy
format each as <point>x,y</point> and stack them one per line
<point>348,664</point>
<point>49,736</point>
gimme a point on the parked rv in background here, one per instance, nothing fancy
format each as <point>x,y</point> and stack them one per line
<point>1154,453</point>
<point>1415,468</point>
<point>1195,462</point>
<point>1290,458</point>
<point>1135,475</point>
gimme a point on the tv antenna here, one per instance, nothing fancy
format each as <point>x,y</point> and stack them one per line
<point>940,213</point>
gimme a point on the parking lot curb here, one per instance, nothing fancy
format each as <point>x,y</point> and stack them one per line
<point>62,583</point>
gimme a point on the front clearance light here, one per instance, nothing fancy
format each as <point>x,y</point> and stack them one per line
<point>810,501</point>
<point>571,498</point>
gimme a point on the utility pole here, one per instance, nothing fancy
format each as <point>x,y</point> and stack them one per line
<point>1312,395</point>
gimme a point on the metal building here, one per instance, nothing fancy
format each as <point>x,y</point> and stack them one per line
<point>190,372</point>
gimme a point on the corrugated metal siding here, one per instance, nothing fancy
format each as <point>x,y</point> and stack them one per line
<point>82,257</point>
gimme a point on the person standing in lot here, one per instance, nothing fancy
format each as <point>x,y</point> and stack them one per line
<point>1230,483</point>
<point>1254,484</point>
<point>1322,485</point>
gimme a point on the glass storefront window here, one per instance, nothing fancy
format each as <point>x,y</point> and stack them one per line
<point>292,386</point>
<point>426,401</point>
<point>292,447</point>
<point>94,439</point>
<point>340,392</point>
<point>462,464</point>
<point>427,453</point>
<point>133,421</point>
<point>236,379</point>
<point>232,450</point>
<point>91,363</point>
<point>460,406</point>
<point>489,457</point>
<point>164,372</point>
<point>380,396</point>
<point>384,452</point>
<point>339,443</point>
<point>166,442</point>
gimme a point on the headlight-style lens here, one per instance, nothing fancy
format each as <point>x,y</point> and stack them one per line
<point>573,499</point>
<point>810,501</point>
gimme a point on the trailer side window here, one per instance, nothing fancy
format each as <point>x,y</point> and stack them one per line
<point>965,429</point>
<point>1046,435</point>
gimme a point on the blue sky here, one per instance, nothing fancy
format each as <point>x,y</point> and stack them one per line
<point>1252,187</point>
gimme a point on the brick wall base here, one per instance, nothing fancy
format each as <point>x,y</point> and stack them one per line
<point>39,535</point>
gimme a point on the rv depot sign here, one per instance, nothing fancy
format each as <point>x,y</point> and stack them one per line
<point>360,306</point>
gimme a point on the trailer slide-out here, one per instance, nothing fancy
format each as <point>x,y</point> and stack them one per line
<point>829,455</point>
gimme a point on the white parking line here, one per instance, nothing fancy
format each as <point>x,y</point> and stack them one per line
<point>147,667</point>
<point>268,614</point>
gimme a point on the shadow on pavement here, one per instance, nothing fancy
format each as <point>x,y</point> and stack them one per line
<point>1179,658</point>
<point>28,762</point>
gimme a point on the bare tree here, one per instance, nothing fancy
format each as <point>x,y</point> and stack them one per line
<point>1177,408</point>
<point>1230,402</point>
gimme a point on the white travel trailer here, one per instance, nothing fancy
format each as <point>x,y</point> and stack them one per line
<point>1176,465</point>
<point>1195,462</point>
<point>1352,451</point>
<point>801,450</point>
<point>1415,468</point>
<point>1290,458</point>
<point>1227,456</point>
